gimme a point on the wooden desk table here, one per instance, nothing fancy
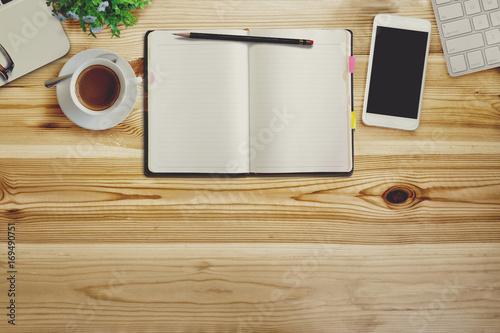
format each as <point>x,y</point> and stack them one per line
<point>100,247</point>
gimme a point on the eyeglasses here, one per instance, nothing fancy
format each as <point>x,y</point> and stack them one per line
<point>9,68</point>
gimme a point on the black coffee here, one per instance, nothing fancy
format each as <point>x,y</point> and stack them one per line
<point>97,87</point>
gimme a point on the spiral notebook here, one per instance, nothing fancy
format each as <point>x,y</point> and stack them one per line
<point>236,108</point>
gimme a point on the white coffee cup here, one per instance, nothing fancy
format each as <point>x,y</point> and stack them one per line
<point>123,86</point>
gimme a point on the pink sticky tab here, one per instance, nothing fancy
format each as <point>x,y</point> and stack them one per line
<point>352,64</point>
<point>151,77</point>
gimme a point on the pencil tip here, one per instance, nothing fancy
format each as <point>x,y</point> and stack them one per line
<point>183,34</point>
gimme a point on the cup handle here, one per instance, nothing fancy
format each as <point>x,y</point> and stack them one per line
<point>135,80</point>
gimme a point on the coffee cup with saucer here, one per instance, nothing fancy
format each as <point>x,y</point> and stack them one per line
<point>92,118</point>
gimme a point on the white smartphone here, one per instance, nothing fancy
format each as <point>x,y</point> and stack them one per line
<point>396,72</point>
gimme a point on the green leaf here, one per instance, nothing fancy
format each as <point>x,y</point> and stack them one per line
<point>117,13</point>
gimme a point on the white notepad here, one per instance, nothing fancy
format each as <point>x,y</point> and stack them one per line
<point>224,107</point>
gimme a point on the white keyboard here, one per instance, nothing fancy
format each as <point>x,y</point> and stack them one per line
<point>470,34</point>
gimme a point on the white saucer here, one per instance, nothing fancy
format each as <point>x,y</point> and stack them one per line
<point>95,122</point>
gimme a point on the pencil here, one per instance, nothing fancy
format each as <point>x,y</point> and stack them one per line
<point>250,39</point>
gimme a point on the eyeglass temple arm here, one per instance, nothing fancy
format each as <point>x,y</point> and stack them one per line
<point>7,54</point>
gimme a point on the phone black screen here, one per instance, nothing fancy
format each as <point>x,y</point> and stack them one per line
<point>397,71</point>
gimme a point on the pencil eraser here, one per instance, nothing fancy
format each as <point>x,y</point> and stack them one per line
<point>312,42</point>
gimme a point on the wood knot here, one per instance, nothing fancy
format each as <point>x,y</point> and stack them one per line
<point>397,196</point>
<point>14,214</point>
<point>401,196</point>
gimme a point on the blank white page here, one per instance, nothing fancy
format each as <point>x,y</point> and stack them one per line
<point>299,110</point>
<point>197,105</point>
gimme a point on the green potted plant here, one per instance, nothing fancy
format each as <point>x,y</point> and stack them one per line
<point>94,15</point>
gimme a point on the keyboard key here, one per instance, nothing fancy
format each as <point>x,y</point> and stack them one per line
<point>481,22</point>
<point>440,2</point>
<point>490,4</point>
<point>495,18</point>
<point>492,36</point>
<point>458,63</point>
<point>466,43</point>
<point>492,55</point>
<point>456,28</point>
<point>475,59</point>
<point>472,7</point>
<point>450,12</point>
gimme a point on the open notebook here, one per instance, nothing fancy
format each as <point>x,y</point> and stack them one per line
<point>221,107</point>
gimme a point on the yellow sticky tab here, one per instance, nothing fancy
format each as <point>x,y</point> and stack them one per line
<point>353,120</point>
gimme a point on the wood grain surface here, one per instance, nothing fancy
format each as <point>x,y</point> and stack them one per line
<point>409,243</point>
